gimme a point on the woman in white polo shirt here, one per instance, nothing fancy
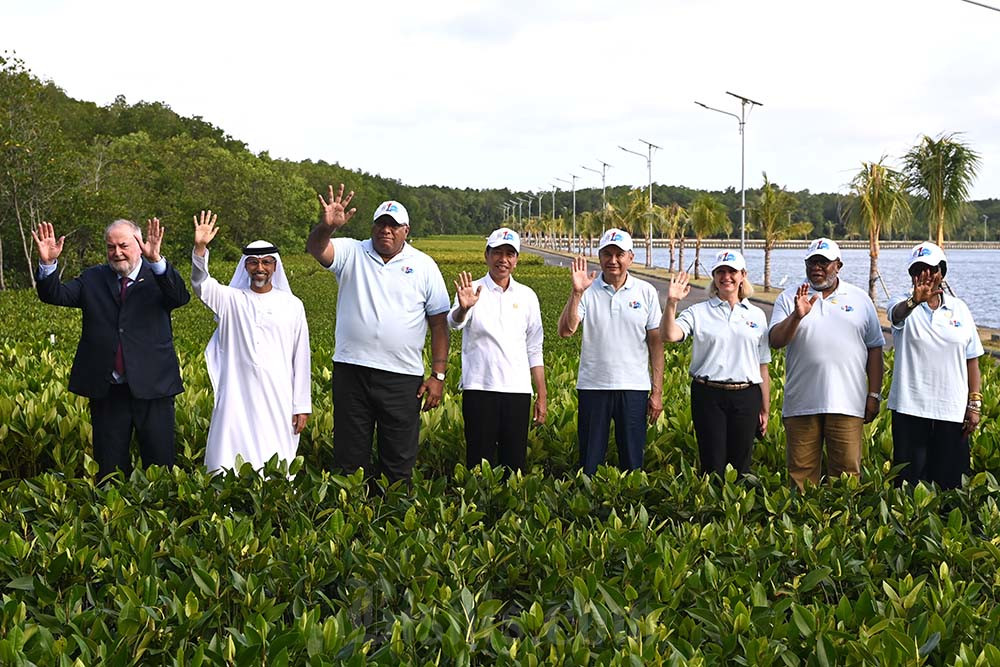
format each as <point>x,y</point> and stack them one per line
<point>935,396</point>
<point>730,387</point>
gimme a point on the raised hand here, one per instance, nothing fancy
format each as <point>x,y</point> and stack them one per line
<point>467,297</point>
<point>803,304</point>
<point>679,287</point>
<point>154,237</point>
<point>49,248</point>
<point>926,286</point>
<point>204,231</point>
<point>581,279</point>
<point>334,213</point>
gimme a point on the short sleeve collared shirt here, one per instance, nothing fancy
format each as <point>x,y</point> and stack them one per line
<point>728,344</point>
<point>613,354</point>
<point>826,362</point>
<point>382,307</point>
<point>930,377</point>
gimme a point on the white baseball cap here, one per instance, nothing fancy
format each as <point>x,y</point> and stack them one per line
<point>504,236</point>
<point>394,210</point>
<point>616,237</point>
<point>824,247</point>
<point>930,254</point>
<point>730,258</point>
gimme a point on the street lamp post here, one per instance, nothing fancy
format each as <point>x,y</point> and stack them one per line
<point>649,171</point>
<point>573,184</point>
<point>744,101</point>
<point>604,192</point>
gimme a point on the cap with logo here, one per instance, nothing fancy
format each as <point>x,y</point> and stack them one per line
<point>730,258</point>
<point>504,236</point>
<point>825,248</point>
<point>394,210</point>
<point>930,254</point>
<point>616,237</point>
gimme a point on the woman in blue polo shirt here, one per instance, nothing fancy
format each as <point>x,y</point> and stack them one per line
<point>935,396</point>
<point>730,386</point>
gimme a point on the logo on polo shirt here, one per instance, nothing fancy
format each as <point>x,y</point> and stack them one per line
<point>955,323</point>
<point>407,269</point>
<point>847,308</point>
<point>635,305</point>
<point>752,324</point>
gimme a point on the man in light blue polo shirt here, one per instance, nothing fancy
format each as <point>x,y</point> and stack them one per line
<point>621,358</point>
<point>389,293</point>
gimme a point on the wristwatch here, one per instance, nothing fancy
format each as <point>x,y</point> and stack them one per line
<point>438,376</point>
<point>877,396</point>
<point>910,303</point>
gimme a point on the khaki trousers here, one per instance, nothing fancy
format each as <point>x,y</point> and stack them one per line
<point>805,435</point>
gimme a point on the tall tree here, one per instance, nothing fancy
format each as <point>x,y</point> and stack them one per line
<point>673,214</point>
<point>940,173</point>
<point>771,216</point>
<point>879,203</point>
<point>708,217</point>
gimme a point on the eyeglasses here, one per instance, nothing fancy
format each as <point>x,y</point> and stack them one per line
<point>267,262</point>
<point>818,260</point>
<point>917,269</point>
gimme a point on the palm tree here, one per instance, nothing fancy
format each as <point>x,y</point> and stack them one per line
<point>879,203</point>
<point>940,173</point>
<point>772,215</point>
<point>708,217</point>
<point>587,224</point>
<point>672,215</point>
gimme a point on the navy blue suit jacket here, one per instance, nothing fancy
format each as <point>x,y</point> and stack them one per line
<point>142,321</point>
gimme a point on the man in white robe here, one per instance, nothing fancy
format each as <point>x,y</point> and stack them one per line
<point>258,358</point>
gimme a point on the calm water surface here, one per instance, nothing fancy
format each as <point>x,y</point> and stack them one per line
<point>967,271</point>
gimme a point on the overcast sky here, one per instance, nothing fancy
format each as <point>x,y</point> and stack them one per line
<point>484,93</point>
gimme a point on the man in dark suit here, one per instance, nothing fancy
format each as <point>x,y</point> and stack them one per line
<point>125,362</point>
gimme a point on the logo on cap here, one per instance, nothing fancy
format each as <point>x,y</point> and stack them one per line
<point>923,252</point>
<point>727,257</point>
<point>822,245</point>
<point>615,237</point>
<point>507,236</point>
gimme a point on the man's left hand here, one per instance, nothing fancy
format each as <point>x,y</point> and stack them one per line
<point>154,237</point>
<point>431,391</point>
<point>971,422</point>
<point>871,409</point>
<point>299,422</point>
<point>654,406</point>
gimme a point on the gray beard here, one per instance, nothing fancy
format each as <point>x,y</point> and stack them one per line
<point>822,287</point>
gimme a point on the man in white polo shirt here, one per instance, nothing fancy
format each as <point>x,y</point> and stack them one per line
<point>389,293</point>
<point>501,326</point>
<point>621,358</point>
<point>833,368</point>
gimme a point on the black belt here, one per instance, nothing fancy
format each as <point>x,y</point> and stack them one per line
<point>728,386</point>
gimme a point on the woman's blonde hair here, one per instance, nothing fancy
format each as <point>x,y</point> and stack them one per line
<point>746,287</point>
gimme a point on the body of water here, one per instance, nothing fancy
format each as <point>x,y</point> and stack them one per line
<point>966,271</point>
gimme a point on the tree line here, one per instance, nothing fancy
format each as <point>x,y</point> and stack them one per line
<point>82,165</point>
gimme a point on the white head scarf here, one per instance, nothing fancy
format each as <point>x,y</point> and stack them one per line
<point>260,249</point>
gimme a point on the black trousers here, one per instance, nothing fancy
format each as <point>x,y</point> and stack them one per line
<point>725,423</point>
<point>933,450</point>
<point>113,419</point>
<point>367,401</point>
<point>496,428</point>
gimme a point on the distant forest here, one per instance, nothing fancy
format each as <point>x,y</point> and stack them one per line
<point>80,166</point>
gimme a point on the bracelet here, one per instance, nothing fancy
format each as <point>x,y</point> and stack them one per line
<point>975,396</point>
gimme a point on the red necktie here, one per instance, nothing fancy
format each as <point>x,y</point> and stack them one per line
<point>119,357</point>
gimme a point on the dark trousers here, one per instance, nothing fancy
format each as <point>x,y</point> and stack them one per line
<point>598,407</point>
<point>496,428</point>
<point>367,401</point>
<point>933,450</point>
<point>725,423</point>
<point>115,416</point>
